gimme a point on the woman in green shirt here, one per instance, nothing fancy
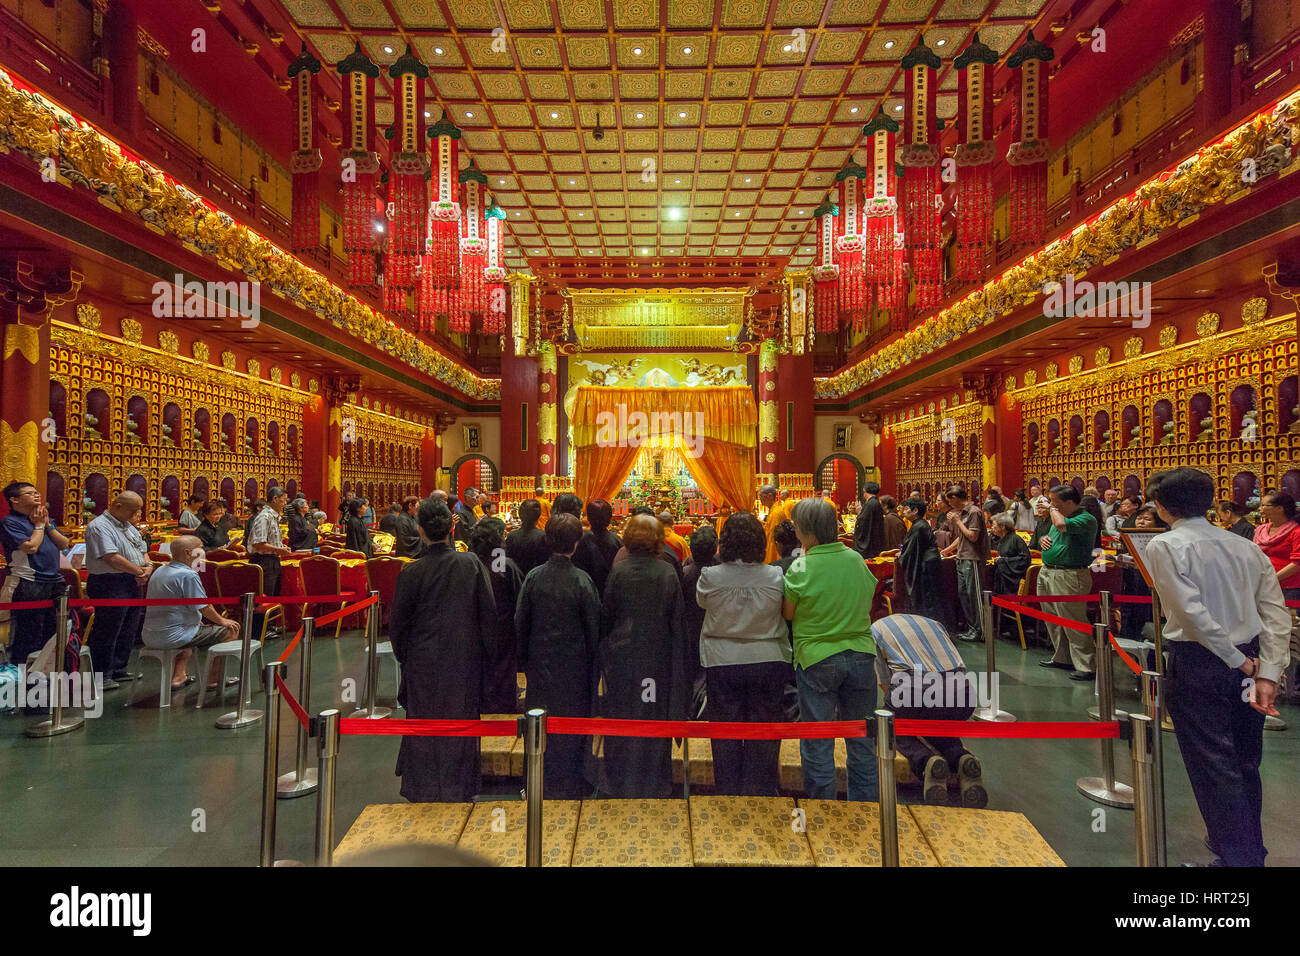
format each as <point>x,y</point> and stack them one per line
<point>828,592</point>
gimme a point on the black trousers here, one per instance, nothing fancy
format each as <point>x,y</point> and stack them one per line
<point>918,750</point>
<point>115,630</point>
<point>748,692</point>
<point>1221,738</point>
<point>29,630</point>
<point>270,565</point>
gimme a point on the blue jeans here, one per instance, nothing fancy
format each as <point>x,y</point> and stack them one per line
<point>841,687</point>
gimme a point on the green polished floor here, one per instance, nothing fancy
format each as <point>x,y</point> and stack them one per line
<point>143,786</point>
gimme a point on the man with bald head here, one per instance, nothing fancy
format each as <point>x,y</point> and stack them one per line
<point>117,561</point>
<point>181,625</point>
<point>777,511</point>
<point>671,538</point>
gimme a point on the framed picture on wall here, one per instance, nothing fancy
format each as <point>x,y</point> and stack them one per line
<point>473,440</point>
<point>843,435</point>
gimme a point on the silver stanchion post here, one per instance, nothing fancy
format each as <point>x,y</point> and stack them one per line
<point>270,763</point>
<point>1158,638</point>
<point>300,780</point>
<point>240,717</point>
<point>1144,806</point>
<point>372,710</point>
<point>1105,789</point>
<point>328,750</point>
<point>534,748</point>
<point>1104,601</point>
<point>992,712</point>
<point>1153,694</point>
<point>59,723</point>
<point>888,788</point>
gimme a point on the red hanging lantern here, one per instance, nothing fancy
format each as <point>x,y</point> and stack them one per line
<point>407,189</point>
<point>921,161</point>
<point>884,274</point>
<point>850,256</point>
<point>306,160</point>
<point>440,266</point>
<point>471,300</point>
<point>826,274</point>
<point>974,158</point>
<point>1027,156</point>
<point>494,276</point>
<point>360,166</point>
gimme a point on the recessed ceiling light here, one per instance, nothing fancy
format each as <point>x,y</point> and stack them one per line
<point>636,51</point>
<point>640,116</point>
<point>572,182</point>
<point>737,214</point>
<point>786,48</point>
<point>388,49</point>
<point>674,213</point>
<point>681,114</point>
<point>853,109</point>
<point>437,51</point>
<point>687,50</point>
<point>555,115</point>
<point>898,108</point>
<point>889,44</point>
<point>940,42</point>
<point>677,181</point>
<point>581,214</point>
<point>645,252</point>
<point>516,214</point>
<point>501,182</point>
<point>747,179</point>
<point>468,115</point>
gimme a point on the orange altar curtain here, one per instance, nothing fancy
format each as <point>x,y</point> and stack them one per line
<point>714,428</point>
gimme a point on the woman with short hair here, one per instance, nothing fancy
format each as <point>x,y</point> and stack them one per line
<point>918,566</point>
<point>356,534</point>
<point>745,654</point>
<point>642,656</point>
<point>895,528</point>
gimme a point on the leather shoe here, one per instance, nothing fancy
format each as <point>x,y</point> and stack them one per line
<point>970,638</point>
<point>1056,664</point>
<point>1082,676</point>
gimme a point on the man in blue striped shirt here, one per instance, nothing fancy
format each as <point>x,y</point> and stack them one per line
<point>924,678</point>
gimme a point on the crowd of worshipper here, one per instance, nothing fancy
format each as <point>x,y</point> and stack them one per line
<point>746,618</point>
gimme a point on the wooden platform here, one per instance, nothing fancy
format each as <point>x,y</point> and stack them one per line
<point>704,831</point>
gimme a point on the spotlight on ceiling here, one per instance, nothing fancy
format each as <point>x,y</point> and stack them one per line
<point>674,213</point>
<point>640,116</point>
<point>636,51</point>
<point>940,42</point>
<point>686,50</point>
<point>889,44</point>
<point>388,49</point>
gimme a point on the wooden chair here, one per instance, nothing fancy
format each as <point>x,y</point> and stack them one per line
<point>324,575</point>
<point>381,576</point>
<point>237,578</point>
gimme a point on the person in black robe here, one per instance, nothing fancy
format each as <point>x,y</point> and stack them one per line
<point>406,540</point>
<point>500,669</point>
<point>465,516</point>
<point>642,657</point>
<point>211,530</point>
<point>442,624</point>
<point>1013,555</point>
<point>666,554</point>
<point>388,523</point>
<point>302,533</point>
<point>526,545</point>
<point>917,565</point>
<point>596,550</point>
<point>558,623</point>
<point>869,531</point>
<point>357,535</point>
<point>1232,517</point>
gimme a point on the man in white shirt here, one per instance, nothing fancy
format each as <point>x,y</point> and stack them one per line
<point>1109,502</point>
<point>117,561</point>
<point>1227,632</point>
<point>266,542</point>
<point>1036,496</point>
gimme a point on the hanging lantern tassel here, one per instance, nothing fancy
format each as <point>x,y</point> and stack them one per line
<point>921,158</point>
<point>826,273</point>
<point>1027,156</point>
<point>974,158</point>
<point>440,270</point>
<point>883,272</point>
<point>470,301</point>
<point>849,252</point>
<point>306,161</point>
<point>360,165</point>
<point>494,276</point>
<point>407,189</point>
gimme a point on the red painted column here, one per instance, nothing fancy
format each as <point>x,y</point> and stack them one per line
<point>887,459</point>
<point>121,49</point>
<point>1011,467</point>
<point>430,458</point>
<point>796,453</point>
<point>1214,101</point>
<point>518,416</point>
<point>315,458</point>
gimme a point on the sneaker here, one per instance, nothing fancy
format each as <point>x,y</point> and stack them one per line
<point>934,782</point>
<point>973,794</point>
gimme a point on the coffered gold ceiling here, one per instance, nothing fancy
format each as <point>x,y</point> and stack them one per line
<point>735,112</point>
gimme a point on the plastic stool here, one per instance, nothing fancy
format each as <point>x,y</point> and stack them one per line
<point>225,651</point>
<point>166,658</point>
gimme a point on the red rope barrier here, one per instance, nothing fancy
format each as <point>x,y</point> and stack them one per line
<point>329,618</point>
<point>1131,598</point>
<point>1133,665</point>
<point>359,726</point>
<point>26,605</point>
<point>1040,730</point>
<point>293,703</point>
<point>1045,616</point>
<point>284,655</point>
<point>1049,598</point>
